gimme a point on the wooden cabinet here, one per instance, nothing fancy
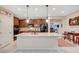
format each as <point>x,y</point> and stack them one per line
<point>22,23</point>
<point>16,21</point>
<point>37,21</point>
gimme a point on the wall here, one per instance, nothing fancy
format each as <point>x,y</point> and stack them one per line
<point>66,26</point>
<point>56,17</point>
<point>6,27</point>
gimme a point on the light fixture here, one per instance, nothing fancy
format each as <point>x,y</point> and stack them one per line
<point>53,9</point>
<point>18,9</point>
<point>27,20</point>
<point>62,11</point>
<point>47,20</point>
<point>36,9</point>
<point>47,14</point>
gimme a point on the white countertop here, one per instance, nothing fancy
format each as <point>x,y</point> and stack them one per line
<point>39,34</point>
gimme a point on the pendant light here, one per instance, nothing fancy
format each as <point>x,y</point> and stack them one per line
<point>27,20</point>
<point>47,19</point>
<point>47,14</point>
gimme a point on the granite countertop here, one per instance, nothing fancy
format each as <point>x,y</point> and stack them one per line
<point>39,34</point>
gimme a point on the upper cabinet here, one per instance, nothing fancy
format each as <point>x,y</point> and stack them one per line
<point>37,21</point>
<point>22,23</point>
<point>34,22</point>
<point>16,21</point>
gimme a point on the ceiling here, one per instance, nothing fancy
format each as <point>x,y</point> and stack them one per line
<point>37,11</point>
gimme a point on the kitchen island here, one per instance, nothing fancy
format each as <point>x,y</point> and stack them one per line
<point>37,40</point>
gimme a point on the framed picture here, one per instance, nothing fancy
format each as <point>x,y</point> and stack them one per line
<point>74,21</point>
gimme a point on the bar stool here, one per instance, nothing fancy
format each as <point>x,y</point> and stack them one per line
<point>65,35</point>
<point>77,40</point>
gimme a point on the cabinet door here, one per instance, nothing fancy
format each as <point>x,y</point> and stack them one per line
<point>6,29</point>
<point>16,21</point>
<point>22,23</point>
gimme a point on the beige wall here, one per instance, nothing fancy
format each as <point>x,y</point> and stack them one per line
<point>6,27</point>
<point>66,26</point>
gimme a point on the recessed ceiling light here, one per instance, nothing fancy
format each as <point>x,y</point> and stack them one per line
<point>36,9</point>
<point>53,8</point>
<point>62,11</point>
<point>19,9</point>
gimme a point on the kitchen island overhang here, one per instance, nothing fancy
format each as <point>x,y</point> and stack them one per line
<point>38,40</point>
